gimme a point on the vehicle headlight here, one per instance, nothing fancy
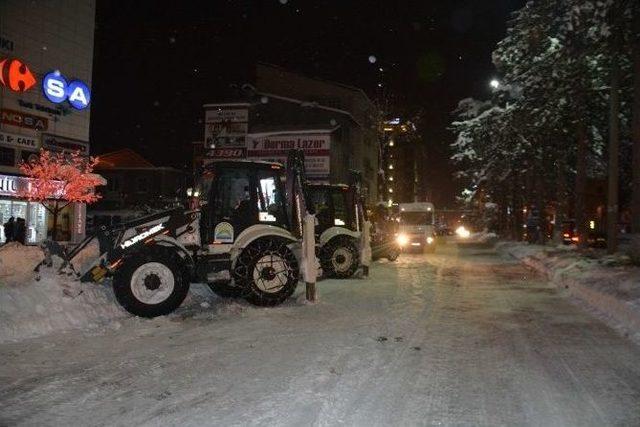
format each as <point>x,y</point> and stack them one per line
<point>429,240</point>
<point>402,239</point>
<point>463,232</point>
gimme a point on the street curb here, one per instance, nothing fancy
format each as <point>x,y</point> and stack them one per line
<point>616,313</point>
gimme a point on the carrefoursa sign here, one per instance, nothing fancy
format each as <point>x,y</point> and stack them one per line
<point>16,76</point>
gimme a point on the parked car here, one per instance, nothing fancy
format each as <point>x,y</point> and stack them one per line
<point>595,239</point>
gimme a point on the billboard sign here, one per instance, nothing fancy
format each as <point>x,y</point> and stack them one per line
<point>63,144</point>
<point>20,141</point>
<point>27,121</point>
<point>225,128</point>
<point>275,148</point>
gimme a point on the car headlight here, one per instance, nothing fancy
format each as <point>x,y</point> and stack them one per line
<point>402,239</point>
<point>463,232</point>
<point>429,240</point>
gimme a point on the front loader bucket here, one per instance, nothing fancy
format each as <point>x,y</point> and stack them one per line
<point>85,256</point>
<point>79,260</point>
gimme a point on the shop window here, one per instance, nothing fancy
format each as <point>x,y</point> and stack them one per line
<point>34,214</point>
<point>7,156</point>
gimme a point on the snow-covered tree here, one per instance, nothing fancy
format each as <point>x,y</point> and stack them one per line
<point>546,125</point>
<point>58,179</point>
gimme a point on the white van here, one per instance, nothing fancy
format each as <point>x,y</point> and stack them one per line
<point>417,230</point>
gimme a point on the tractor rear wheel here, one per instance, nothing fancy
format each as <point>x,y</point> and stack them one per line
<point>339,258</point>
<point>267,272</point>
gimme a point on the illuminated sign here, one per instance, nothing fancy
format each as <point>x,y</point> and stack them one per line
<point>15,75</point>
<point>57,90</point>
<point>79,95</point>
<point>20,141</point>
<point>65,145</point>
<point>54,87</point>
<point>10,185</point>
<point>27,121</point>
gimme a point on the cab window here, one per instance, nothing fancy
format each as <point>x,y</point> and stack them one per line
<point>270,198</point>
<point>322,203</point>
<point>231,201</point>
<point>340,211</point>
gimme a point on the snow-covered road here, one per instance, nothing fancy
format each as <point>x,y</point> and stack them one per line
<point>455,338</point>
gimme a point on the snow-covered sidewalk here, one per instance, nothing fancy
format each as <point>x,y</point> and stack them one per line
<point>608,286</point>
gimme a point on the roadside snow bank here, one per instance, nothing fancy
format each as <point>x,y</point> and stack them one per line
<point>480,239</point>
<point>608,285</point>
<point>31,308</point>
<point>55,304</point>
<point>17,263</point>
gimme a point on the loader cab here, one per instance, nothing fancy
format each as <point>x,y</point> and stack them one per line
<point>340,216</point>
<point>235,195</point>
<point>335,206</point>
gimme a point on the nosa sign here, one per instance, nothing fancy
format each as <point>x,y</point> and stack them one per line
<point>57,90</point>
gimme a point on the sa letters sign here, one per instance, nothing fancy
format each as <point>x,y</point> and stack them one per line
<point>57,90</point>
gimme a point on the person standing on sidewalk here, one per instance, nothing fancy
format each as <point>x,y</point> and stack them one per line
<point>9,230</point>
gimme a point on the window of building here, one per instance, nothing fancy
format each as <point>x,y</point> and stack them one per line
<point>7,156</point>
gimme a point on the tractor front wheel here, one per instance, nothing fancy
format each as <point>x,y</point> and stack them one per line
<point>151,284</point>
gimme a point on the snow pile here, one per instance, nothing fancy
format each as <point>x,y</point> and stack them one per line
<point>17,263</point>
<point>55,303</point>
<point>482,239</point>
<point>33,306</point>
<point>609,285</point>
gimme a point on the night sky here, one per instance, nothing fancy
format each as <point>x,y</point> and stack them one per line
<point>156,63</point>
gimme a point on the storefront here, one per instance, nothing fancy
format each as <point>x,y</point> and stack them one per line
<point>46,61</point>
<point>34,214</point>
<point>38,220</point>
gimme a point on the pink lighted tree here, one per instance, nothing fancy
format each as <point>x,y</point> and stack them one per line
<point>59,179</point>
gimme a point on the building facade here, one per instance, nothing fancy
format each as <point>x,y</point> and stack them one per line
<point>334,124</point>
<point>400,163</point>
<point>134,187</point>
<point>46,59</point>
